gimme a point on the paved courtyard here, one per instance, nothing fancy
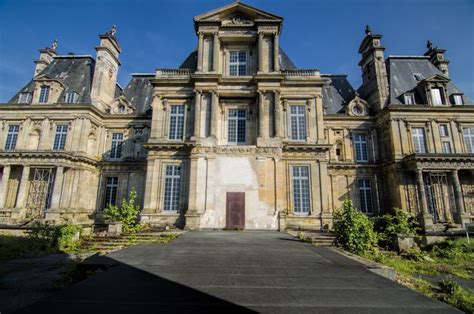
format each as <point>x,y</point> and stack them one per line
<point>230,272</point>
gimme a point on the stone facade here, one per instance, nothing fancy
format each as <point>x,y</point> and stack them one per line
<point>237,117</point>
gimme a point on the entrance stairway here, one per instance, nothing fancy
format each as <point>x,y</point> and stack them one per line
<point>314,237</point>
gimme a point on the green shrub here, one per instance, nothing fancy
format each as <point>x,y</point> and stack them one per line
<point>399,222</point>
<point>452,249</point>
<point>354,230</point>
<point>64,238</point>
<point>43,234</point>
<point>127,214</point>
<point>452,293</point>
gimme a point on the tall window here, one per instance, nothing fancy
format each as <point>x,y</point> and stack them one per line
<point>469,139</point>
<point>419,142</point>
<point>360,143</point>
<point>176,122</point>
<point>443,130</point>
<point>44,94</point>
<point>24,98</point>
<point>116,148</point>
<point>60,137</point>
<point>365,196</point>
<point>236,127</point>
<point>172,187</point>
<point>238,63</point>
<point>12,137</point>
<point>71,97</point>
<point>298,123</point>
<point>111,188</point>
<point>436,96</point>
<point>301,200</point>
<point>447,147</point>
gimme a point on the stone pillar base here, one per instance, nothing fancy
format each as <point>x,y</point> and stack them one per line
<point>193,220</point>
<point>426,221</point>
<point>326,222</point>
<point>282,221</point>
<point>464,219</point>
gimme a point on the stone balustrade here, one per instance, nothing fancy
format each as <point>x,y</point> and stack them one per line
<point>172,72</point>
<point>302,72</point>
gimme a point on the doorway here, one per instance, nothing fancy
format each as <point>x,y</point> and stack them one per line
<point>235,210</point>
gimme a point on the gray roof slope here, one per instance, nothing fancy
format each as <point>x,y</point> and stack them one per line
<point>139,92</point>
<point>191,61</point>
<point>401,76</point>
<point>337,94</point>
<point>75,72</point>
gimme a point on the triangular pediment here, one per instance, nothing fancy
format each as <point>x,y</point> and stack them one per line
<point>237,13</point>
<point>437,78</point>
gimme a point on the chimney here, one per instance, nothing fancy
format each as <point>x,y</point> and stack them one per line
<point>106,69</point>
<point>45,58</point>
<point>437,58</point>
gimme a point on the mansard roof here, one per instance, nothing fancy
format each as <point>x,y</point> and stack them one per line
<point>139,92</point>
<point>219,13</point>
<point>401,75</point>
<point>337,93</point>
<point>74,72</point>
<point>191,61</point>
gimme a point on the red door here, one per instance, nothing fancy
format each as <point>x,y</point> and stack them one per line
<point>235,218</point>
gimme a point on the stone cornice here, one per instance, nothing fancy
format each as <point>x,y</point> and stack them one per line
<point>439,161</point>
<point>42,157</point>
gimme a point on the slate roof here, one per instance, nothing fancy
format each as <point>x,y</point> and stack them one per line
<point>75,72</point>
<point>337,94</point>
<point>191,61</point>
<point>139,92</point>
<point>401,70</point>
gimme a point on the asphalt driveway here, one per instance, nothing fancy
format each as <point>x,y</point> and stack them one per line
<point>230,272</point>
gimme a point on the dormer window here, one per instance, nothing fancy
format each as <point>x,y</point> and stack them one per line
<point>457,99</point>
<point>418,76</point>
<point>71,97</point>
<point>436,96</point>
<point>44,94</point>
<point>24,98</point>
<point>238,63</point>
<point>121,109</point>
<point>409,99</point>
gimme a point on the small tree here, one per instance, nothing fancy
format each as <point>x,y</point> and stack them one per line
<point>354,231</point>
<point>127,213</point>
<point>398,222</point>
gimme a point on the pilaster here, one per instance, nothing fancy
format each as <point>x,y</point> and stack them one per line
<point>57,189</point>
<point>4,185</point>
<point>200,51</point>
<point>426,219</point>
<point>197,114</point>
<point>216,59</point>
<point>462,217</point>
<point>23,189</point>
<point>214,113</point>
<point>276,47</point>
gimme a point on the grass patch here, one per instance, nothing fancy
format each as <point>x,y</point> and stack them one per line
<point>452,258</point>
<point>18,246</point>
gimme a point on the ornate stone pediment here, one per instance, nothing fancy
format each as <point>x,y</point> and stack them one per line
<point>237,14</point>
<point>357,107</point>
<point>121,105</point>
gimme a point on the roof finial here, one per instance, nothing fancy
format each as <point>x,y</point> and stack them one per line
<point>113,30</point>
<point>367,30</point>
<point>54,45</point>
<point>429,45</point>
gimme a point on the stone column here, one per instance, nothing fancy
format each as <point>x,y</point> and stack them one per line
<point>459,201</point>
<point>276,44</point>
<point>23,189</point>
<point>426,219</point>
<point>57,189</point>
<point>215,54</point>
<point>4,185</point>
<point>214,113</point>
<point>260,52</point>
<point>318,103</point>
<point>200,51</point>
<point>197,114</point>
<point>278,118</point>
<point>261,114</point>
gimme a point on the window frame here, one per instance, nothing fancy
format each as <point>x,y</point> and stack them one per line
<point>363,145</point>
<point>28,96</point>
<point>440,94</point>
<point>304,209</point>
<point>174,199</point>
<point>11,139</point>
<point>238,63</point>
<point>116,145</point>
<point>444,127</point>
<point>174,129</point>
<point>45,91</point>
<point>419,136</point>
<point>366,193</point>
<point>407,96</point>
<point>469,143</point>
<point>455,96</point>
<point>300,117</point>
<point>110,189</point>
<point>238,126</point>
<point>69,100</point>
<point>443,147</point>
<point>60,137</point>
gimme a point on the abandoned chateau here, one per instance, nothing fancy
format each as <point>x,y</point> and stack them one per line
<point>237,136</point>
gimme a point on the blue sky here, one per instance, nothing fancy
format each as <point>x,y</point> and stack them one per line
<point>316,34</point>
